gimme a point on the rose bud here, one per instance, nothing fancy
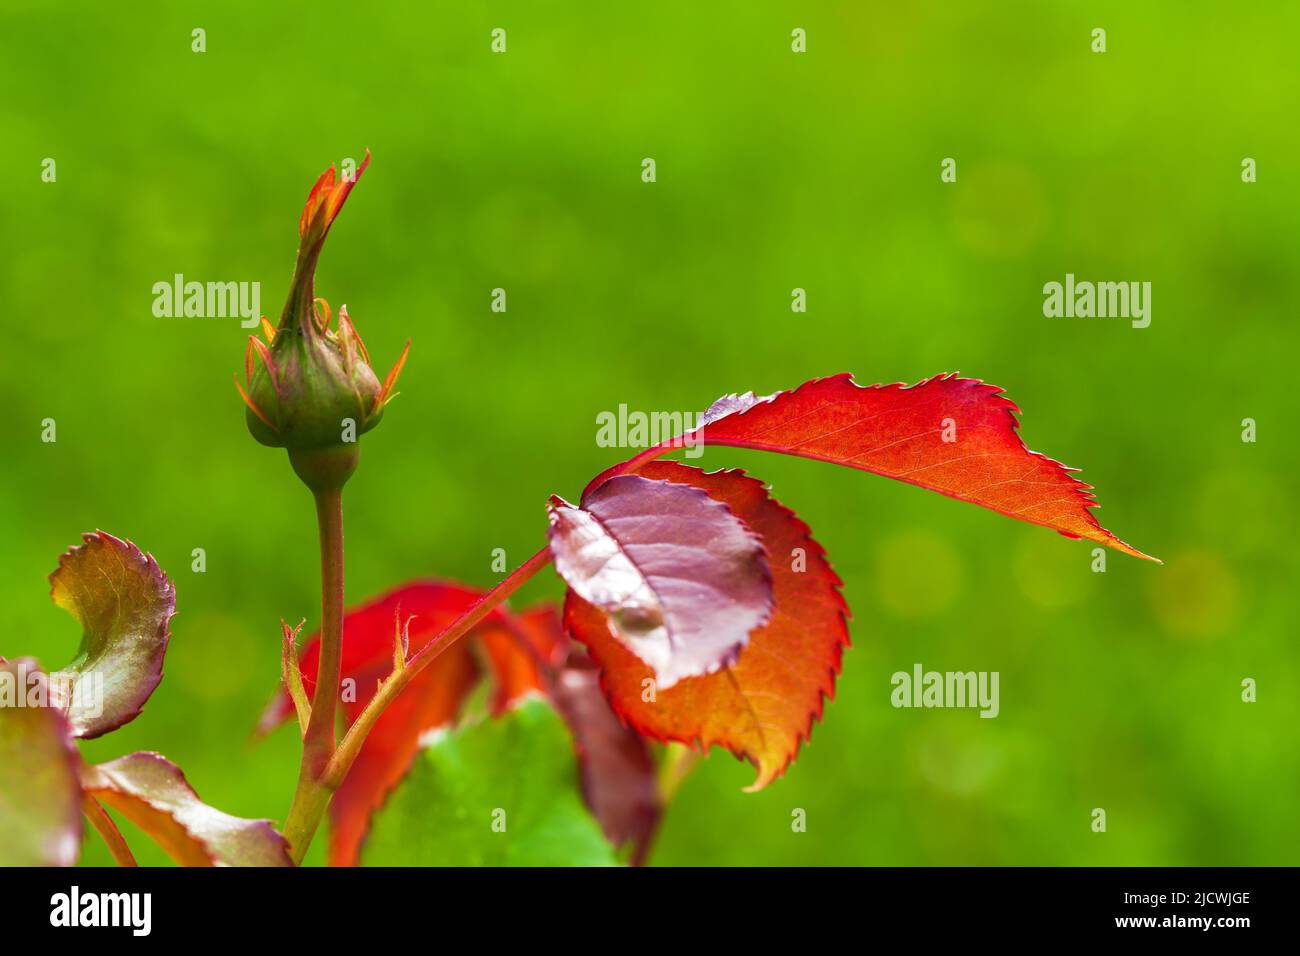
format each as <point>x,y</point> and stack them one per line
<point>311,389</point>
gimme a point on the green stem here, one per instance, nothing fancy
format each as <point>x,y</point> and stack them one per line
<point>312,794</point>
<point>678,763</point>
<point>309,802</point>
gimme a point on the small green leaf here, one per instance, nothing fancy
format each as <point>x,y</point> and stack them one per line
<point>40,798</point>
<point>500,793</point>
<point>123,601</point>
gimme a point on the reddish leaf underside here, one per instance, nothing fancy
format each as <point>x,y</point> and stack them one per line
<point>956,436</point>
<point>620,780</point>
<point>682,581</point>
<point>123,601</point>
<point>40,797</point>
<point>516,674</point>
<point>619,774</point>
<point>522,653</point>
<point>761,707</point>
<point>152,793</point>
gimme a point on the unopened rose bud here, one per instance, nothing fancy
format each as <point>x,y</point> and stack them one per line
<point>310,387</point>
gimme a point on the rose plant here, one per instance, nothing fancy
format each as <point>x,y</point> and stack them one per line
<point>700,612</point>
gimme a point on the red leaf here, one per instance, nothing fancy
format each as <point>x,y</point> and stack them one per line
<point>683,582</point>
<point>956,436</point>
<point>620,781</point>
<point>762,707</point>
<point>522,653</point>
<point>152,793</point>
<point>432,699</point>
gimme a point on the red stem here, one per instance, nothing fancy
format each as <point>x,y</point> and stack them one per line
<point>103,823</point>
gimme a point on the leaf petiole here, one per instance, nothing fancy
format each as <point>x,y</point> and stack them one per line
<point>350,746</point>
<point>107,829</point>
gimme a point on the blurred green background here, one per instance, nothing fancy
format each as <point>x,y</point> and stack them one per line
<point>775,170</point>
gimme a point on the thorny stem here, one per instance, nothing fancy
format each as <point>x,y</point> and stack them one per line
<point>315,789</point>
<point>323,765</point>
<point>102,822</point>
<point>312,795</point>
<point>398,679</point>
